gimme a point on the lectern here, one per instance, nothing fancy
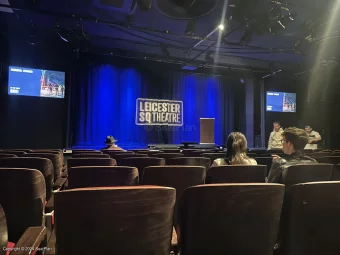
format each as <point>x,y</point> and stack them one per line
<point>207,130</point>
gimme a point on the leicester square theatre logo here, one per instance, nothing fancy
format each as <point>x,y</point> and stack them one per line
<point>159,112</point>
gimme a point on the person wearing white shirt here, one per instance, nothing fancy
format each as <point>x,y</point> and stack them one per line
<point>313,138</point>
<point>275,138</point>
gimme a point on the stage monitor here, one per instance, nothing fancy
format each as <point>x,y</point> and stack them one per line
<point>281,102</point>
<point>36,82</point>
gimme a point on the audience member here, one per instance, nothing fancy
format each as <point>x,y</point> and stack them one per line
<point>236,152</point>
<point>110,144</point>
<point>275,137</point>
<point>294,141</point>
<point>313,138</point>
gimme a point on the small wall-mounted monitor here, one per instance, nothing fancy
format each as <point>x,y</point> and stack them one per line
<point>280,102</point>
<point>36,82</point>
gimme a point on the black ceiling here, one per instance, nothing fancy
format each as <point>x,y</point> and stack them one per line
<point>168,30</point>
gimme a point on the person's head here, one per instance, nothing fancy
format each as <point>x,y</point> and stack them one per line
<point>308,129</point>
<point>110,140</point>
<point>294,139</point>
<point>237,144</point>
<point>276,126</point>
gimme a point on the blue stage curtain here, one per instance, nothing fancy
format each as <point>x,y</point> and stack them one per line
<point>207,96</point>
<point>104,103</point>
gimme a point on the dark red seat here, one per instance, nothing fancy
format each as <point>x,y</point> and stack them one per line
<point>119,157</point>
<point>329,160</point>
<point>142,162</point>
<point>237,174</point>
<point>73,162</point>
<point>74,152</point>
<point>23,197</point>
<point>102,176</point>
<point>90,155</point>
<point>132,220</point>
<point>214,156</point>
<point>310,223</point>
<point>190,161</point>
<point>31,238</point>
<point>167,156</point>
<point>57,161</point>
<point>15,152</point>
<point>3,155</point>
<point>312,172</point>
<point>230,219</point>
<point>44,165</point>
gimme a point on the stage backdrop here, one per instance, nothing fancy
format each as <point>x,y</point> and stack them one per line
<point>104,103</point>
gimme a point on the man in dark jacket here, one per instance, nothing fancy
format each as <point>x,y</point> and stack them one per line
<point>294,141</point>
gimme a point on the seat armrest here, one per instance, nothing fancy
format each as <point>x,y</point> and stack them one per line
<point>50,249</point>
<point>59,183</point>
<point>29,241</point>
<point>49,223</point>
<point>49,207</point>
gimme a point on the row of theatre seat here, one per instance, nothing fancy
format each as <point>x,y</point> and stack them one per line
<point>95,206</point>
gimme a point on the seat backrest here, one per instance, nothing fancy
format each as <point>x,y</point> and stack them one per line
<point>132,220</point>
<point>81,150</point>
<point>178,177</point>
<point>142,162</point>
<point>102,176</point>
<point>214,156</point>
<point>312,219</point>
<point>3,232</point>
<point>73,162</point>
<point>193,153</point>
<point>171,150</point>
<point>112,153</point>
<point>14,152</point>
<point>266,161</point>
<point>167,156</point>
<point>230,219</point>
<point>44,165</point>
<point>119,157</point>
<point>22,196</point>
<point>190,161</point>
<point>88,155</point>
<point>302,173</point>
<point>86,152</point>
<point>329,160</point>
<point>46,151</point>
<point>320,154</point>
<point>3,155</point>
<point>236,174</point>
<point>57,161</point>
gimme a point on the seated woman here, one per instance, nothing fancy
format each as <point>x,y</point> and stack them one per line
<point>236,152</point>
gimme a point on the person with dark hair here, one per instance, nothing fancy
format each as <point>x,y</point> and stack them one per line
<point>236,152</point>
<point>294,141</point>
<point>313,138</point>
<point>111,144</point>
<point>275,137</point>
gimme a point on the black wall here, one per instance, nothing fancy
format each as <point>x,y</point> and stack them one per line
<point>32,122</point>
<point>287,119</point>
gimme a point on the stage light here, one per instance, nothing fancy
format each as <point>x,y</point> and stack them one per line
<point>221,27</point>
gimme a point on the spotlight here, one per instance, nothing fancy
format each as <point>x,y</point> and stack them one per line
<point>221,27</point>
